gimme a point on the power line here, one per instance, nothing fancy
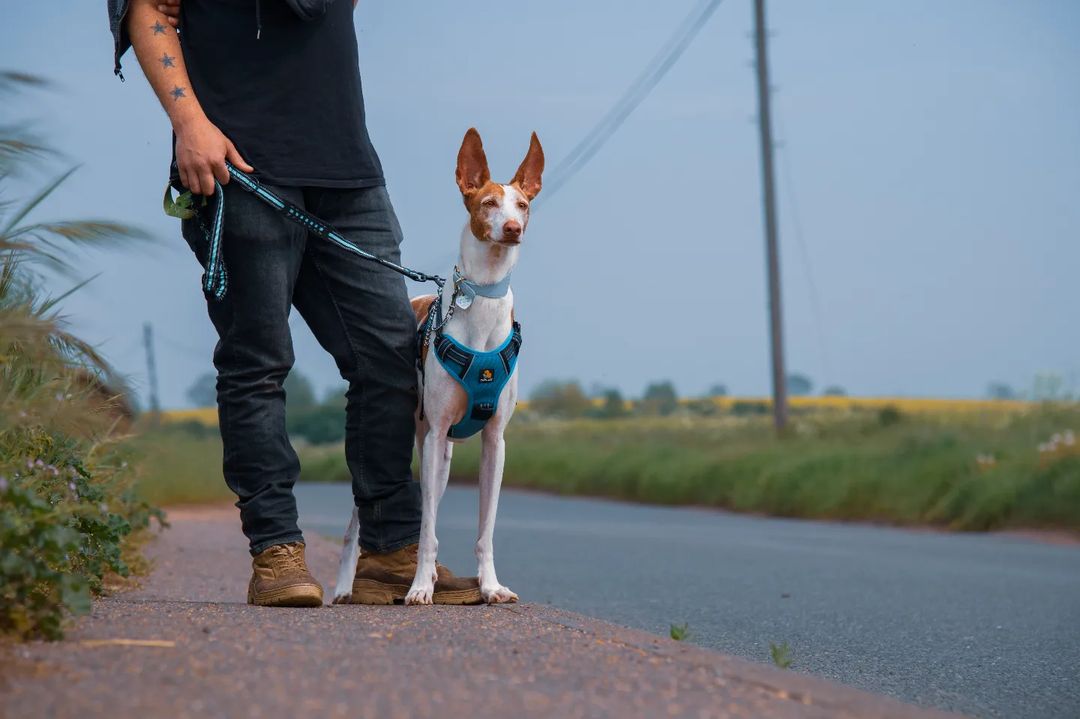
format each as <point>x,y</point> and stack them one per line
<point>669,54</point>
<point>796,220</point>
<point>649,78</point>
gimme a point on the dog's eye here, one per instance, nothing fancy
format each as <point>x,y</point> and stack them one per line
<point>523,205</point>
<point>490,202</point>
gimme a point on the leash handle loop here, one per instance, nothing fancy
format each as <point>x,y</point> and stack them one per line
<point>215,278</point>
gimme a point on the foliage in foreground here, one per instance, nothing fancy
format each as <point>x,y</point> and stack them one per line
<point>66,514</point>
<point>780,654</point>
<point>66,506</point>
<point>679,632</point>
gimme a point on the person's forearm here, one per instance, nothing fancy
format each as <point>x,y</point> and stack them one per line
<point>201,150</point>
<point>157,47</point>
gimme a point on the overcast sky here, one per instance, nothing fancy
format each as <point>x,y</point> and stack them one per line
<point>929,151</point>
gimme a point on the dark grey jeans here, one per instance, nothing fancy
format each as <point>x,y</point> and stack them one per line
<point>360,314</point>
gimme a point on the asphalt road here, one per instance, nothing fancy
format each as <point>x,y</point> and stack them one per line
<point>987,625</point>
<point>184,644</point>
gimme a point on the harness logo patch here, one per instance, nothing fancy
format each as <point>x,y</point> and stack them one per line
<point>487,375</point>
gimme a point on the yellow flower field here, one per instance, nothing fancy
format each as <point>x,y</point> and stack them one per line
<point>908,405</point>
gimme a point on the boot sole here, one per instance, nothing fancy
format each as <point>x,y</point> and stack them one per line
<point>299,596</point>
<point>369,591</point>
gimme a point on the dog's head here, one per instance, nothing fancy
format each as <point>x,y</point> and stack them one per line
<point>497,213</point>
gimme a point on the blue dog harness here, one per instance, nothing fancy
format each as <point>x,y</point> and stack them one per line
<point>481,374</point>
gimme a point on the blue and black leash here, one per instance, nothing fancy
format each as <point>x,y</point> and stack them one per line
<point>216,278</point>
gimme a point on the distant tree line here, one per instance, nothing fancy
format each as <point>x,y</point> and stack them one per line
<point>306,416</point>
<point>567,399</point>
<point>1045,387</point>
<point>322,421</point>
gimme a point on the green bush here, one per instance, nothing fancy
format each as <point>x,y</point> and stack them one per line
<point>660,398</point>
<point>557,398</point>
<point>749,408</point>
<point>612,406</point>
<point>889,415</point>
<point>66,512</point>
<point>318,424</point>
<point>34,588</point>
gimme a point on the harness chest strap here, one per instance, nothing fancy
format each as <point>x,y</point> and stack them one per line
<point>482,375</point>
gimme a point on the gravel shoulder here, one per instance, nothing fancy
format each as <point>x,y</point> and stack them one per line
<point>184,644</point>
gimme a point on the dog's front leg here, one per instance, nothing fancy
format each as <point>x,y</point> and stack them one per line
<point>492,459</point>
<point>434,473</point>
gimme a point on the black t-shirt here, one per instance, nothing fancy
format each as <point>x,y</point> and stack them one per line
<point>291,99</point>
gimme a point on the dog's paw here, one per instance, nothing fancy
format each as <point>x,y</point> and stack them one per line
<point>420,595</point>
<point>498,595</point>
<point>342,599</point>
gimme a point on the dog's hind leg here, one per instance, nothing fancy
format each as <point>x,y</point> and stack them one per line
<point>492,459</point>
<point>350,552</point>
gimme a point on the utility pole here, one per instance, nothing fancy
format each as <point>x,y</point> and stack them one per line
<point>151,368</point>
<point>776,315</point>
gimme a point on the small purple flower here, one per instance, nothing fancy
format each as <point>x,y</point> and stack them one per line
<point>71,486</point>
<point>3,484</point>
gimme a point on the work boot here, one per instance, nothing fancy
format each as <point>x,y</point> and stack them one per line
<point>280,578</point>
<point>386,578</point>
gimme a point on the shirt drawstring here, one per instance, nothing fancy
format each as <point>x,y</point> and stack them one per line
<point>258,19</point>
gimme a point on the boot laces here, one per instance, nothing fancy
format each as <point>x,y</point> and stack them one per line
<point>288,557</point>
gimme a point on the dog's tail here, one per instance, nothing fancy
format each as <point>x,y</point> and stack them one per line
<point>350,552</point>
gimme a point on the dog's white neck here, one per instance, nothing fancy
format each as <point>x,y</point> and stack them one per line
<point>485,263</point>
<point>486,324</point>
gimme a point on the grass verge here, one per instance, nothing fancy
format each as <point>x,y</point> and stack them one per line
<point>976,471</point>
<point>180,464</point>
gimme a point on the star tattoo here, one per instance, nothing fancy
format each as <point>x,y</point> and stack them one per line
<point>158,28</point>
<point>177,92</point>
<point>168,60</point>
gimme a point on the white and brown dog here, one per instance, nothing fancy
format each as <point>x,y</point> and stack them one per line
<point>468,381</point>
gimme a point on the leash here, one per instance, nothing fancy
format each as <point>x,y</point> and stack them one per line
<point>216,279</point>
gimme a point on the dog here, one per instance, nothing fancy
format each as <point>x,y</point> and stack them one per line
<point>467,356</point>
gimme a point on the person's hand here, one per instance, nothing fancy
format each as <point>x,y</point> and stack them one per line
<point>171,10</point>
<point>201,152</point>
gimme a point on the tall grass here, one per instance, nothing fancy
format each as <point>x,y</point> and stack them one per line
<point>67,510</point>
<point>969,471</point>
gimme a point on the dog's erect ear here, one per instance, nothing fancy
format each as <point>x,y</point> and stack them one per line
<point>532,167</point>
<point>472,167</point>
